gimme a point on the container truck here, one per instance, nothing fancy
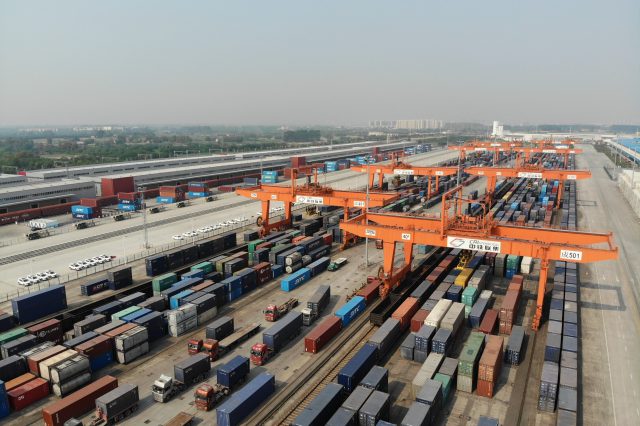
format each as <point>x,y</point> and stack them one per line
<point>276,338</point>
<point>337,264</point>
<point>316,304</point>
<point>115,405</point>
<point>207,396</point>
<point>275,312</point>
<point>217,348</point>
<point>194,369</point>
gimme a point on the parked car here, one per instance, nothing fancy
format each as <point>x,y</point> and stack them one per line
<point>50,274</point>
<point>24,281</point>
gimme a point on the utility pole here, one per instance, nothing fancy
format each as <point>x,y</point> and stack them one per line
<point>366,209</point>
<point>144,217</point>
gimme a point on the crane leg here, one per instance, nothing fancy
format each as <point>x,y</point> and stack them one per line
<point>560,193</point>
<point>542,288</point>
<point>429,188</point>
<point>372,178</point>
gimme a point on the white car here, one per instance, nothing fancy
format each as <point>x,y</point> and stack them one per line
<point>76,266</point>
<point>178,237</point>
<point>221,225</point>
<point>41,276</point>
<point>90,262</point>
<point>189,234</point>
<point>33,279</point>
<point>202,230</point>
<point>24,282</point>
<point>229,223</point>
<point>98,259</point>
<point>105,257</point>
<point>50,274</point>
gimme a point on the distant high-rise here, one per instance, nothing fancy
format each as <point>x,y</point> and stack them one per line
<point>498,129</point>
<point>407,124</point>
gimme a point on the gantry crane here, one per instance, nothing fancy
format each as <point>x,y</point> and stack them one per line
<point>563,150</point>
<point>309,193</point>
<point>397,167</point>
<point>494,147</point>
<point>493,173</point>
<point>482,233</point>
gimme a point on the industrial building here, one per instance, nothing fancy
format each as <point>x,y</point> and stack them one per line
<point>43,194</point>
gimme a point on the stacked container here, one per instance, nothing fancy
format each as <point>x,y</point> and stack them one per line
<point>437,314</point>
<point>490,366</point>
<point>129,201</point>
<point>509,308</point>
<point>182,320</point>
<point>269,176</point>
<point>426,372</point>
<point>85,212</point>
<point>70,374</point>
<point>468,362</point>
<point>131,344</point>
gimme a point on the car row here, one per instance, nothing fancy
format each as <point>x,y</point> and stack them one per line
<point>37,277</point>
<point>210,228</point>
<point>88,263</point>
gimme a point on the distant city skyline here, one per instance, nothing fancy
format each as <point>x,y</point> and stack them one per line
<point>75,63</point>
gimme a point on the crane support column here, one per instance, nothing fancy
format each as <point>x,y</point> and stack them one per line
<point>542,289</point>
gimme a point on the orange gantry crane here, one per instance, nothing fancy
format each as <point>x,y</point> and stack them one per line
<point>563,150</point>
<point>309,193</point>
<point>397,167</point>
<point>494,147</point>
<point>456,230</point>
<point>493,173</point>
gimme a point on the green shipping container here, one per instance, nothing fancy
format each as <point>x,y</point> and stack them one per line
<point>513,262</point>
<point>124,312</point>
<point>12,335</point>
<point>470,356</point>
<point>163,282</point>
<point>251,245</point>
<point>470,295</point>
<point>220,264</point>
<point>207,267</point>
<point>295,233</point>
<point>446,384</point>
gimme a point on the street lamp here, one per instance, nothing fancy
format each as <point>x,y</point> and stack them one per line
<point>141,190</point>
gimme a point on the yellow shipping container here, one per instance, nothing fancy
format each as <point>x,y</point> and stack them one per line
<point>463,278</point>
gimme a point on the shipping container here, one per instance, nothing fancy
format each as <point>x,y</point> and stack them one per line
<point>246,400</point>
<point>283,331</point>
<point>233,372</point>
<point>118,401</point>
<point>18,345</point>
<point>27,394</point>
<point>90,323</point>
<point>386,335</point>
<point>377,379</point>
<point>358,366</point>
<point>34,360</point>
<point>296,279</point>
<point>350,310</point>
<point>357,398</point>
<point>375,408</point>
<point>40,303</point>
<point>405,311</point>
<point>220,328</point>
<point>12,367</point>
<point>419,414</point>
<point>322,407</point>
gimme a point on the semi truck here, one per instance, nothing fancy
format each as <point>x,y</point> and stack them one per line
<point>316,304</point>
<point>215,349</point>
<point>207,396</point>
<point>115,405</point>
<point>192,370</point>
<point>275,338</point>
<point>337,264</point>
<point>275,312</point>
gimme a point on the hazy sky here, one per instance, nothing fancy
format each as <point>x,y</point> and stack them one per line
<point>318,62</point>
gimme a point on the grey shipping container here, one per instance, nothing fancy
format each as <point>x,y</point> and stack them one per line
<point>16,346</point>
<point>220,328</point>
<point>343,417</point>
<point>12,367</point>
<point>418,415</point>
<point>377,379</point>
<point>283,331</point>
<point>386,335</point>
<point>72,343</point>
<point>118,401</point>
<point>90,323</point>
<point>321,408</point>
<point>407,347</point>
<point>375,408</point>
<point>193,368</point>
<point>320,299</point>
<point>358,397</point>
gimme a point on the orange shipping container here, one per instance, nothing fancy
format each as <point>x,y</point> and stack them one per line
<point>489,321</point>
<point>119,330</point>
<point>518,279</point>
<point>19,381</point>
<point>405,311</point>
<point>491,360</point>
<point>417,320</point>
<point>485,388</point>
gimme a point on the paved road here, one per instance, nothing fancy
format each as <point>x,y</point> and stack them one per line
<point>609,303</point>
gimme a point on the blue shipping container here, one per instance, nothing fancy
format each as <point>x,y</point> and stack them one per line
<point>197,194</point>
<point>135,315</point>
<point>4,401</point>
<point>94,286</point>
<point>38,304</point>
<point>350,310</point>
<point>180,286</point>
<point>154,322</point>
<point>233,372</point>
<point>81,209</point>
<point>242,403</point>
<point>128,207</point>
<point>198,273</point>
<point>296,279</point>
<point>277,270</point>
<point>165,200</point>
<point>174,301</point>
<point>156,265</point>
<point>101,361</point>
<point>319,266</point>
<point>358,367</point>
<point>109,308</point>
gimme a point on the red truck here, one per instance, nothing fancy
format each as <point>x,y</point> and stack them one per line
<point>275,312</point>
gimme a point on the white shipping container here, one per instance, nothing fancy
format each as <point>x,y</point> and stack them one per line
<point>526,265</point>
<point>45,366</point>
<point>486,294</point>
<point>44,223</point>
<point>179,329</point>
<point>69,368</point>
<point>438,312</point>
<point>62,389</point>
<point>183,313</point>
<point>132,353</point>
<point>454,318</point>
<point>292,259</point>
<point>427,371</point>
<point>479,277</point>
<point>207,316</point>
<point>465,383</point>
<point>129,339</point>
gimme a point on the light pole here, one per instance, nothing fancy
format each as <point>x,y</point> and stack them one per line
<point>124,248</point>
<point>144,217</point>
<point>366,209</point>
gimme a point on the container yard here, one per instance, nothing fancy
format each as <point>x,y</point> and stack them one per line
<point>293,318</point>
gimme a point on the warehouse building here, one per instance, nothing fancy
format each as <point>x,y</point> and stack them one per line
<point>43,194</point>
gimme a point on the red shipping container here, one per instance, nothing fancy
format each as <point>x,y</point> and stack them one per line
<point>25,395</point>
<point>370,292</point>
<point>119,330</point>
<point>78,403</point>
<point>298,161</point>
<point>298,239</point>
<point>96,346</point>
<point>130,196</point>
<point>328,239</point>
<point>405,311</point>
<point>89,202</point>
<point>111,186</point>
<point>518,279</point>
<point>19,381</point>
<point>263,272</point>
<point>489,321</point>
<point>485,388</point>
<point>491,359</point>
<point>267,244</point>
<point>202,285</point>
<point>322,334</point>
<point>517,287</point>
<point>417,320</point>
<point>50,330</point>
<point>34,360</point>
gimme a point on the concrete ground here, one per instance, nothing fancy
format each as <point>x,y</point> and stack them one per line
<point>246,310</point>
<point>609,302</point>
<point>129,243</point>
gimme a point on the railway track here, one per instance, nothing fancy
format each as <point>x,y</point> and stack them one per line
<point>291,400</point>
